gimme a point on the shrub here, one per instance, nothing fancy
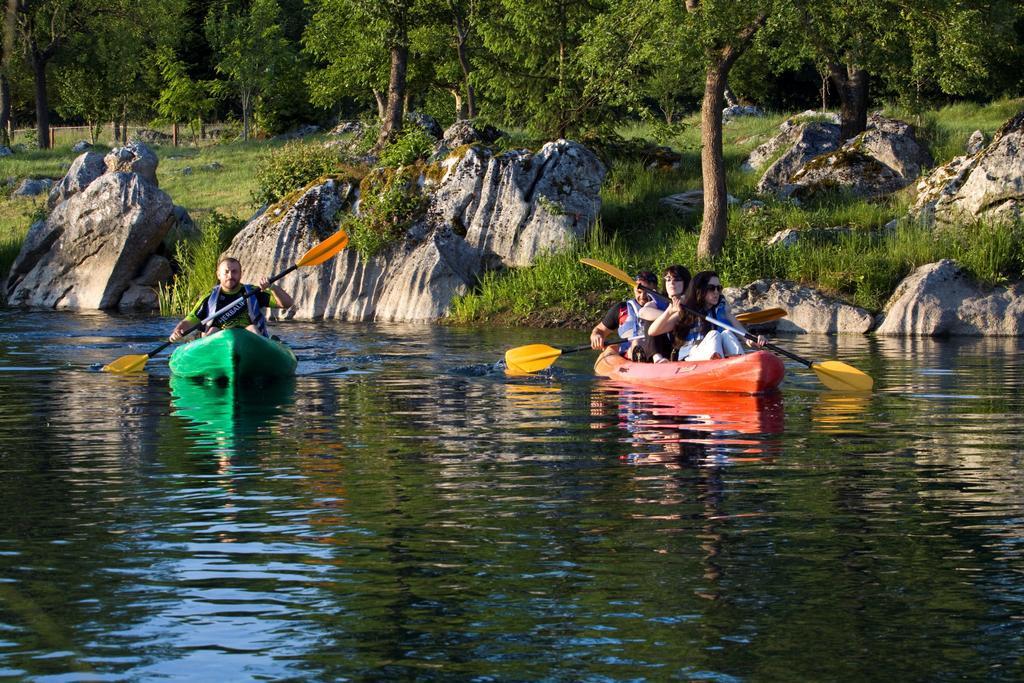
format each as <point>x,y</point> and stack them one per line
<point>289,167</point>
<point>412,144</point>
<point>390,204</point>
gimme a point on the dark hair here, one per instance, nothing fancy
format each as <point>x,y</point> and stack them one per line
<point>679,273</point>
<point>226,259</point>
<point>647,276</point>
<point>694,297</point>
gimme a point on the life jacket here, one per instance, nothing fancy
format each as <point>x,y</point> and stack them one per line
<point>629,321</point>
<point>701,327</point>
<point>255,312</point>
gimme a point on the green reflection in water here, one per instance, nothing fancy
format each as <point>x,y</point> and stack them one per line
<point>227,418</point>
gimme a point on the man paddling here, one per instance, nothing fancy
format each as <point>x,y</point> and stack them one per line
<point>245,303</point>
<point>626,319</point>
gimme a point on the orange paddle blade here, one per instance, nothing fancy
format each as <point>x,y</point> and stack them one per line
<point>127,364</point>
<point>324,250</point>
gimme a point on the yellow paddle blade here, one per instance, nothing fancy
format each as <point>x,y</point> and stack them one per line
<point>325,250</point>
<point>842,377</point>
<point>765,315</point>
<point>127,364</point>
<point>531,358</point>
<point>617,273</point>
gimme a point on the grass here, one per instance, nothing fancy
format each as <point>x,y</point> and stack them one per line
<point>862,267</point>
<point>634,231</point>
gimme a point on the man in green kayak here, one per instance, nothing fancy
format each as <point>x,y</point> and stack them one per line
<point>242,304</point>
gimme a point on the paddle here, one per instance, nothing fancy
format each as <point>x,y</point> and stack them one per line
<point>766,315</point>
<point>537,357</point>
<point>314,257</point>
<point>832,373</point>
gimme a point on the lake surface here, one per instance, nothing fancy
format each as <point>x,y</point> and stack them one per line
<point>403,510</point>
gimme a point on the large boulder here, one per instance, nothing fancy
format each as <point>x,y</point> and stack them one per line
<point>808,310</point>
<point>941,299</point>
<point>85,254</point>
<point>805,141</point>
<point>485,211</point>
<point>988,185</point>
<point>83,170</point>
<point>884,158</point>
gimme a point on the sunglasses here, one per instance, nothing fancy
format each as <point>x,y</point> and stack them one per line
<point>714,288</point>
<point>674,279</point>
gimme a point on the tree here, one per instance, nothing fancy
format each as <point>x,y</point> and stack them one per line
<point>182,98</point>
<point>251,52</point>
<point>723,31</point>
<point>531,64</point>
<point>42,28</point>
<point>109,70</point>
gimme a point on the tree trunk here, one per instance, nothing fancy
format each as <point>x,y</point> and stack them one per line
<point>42,102</point>
<point>851,84</point>
<point>395,111</point>
<point>5,111</point>
<point>382,104</point>
<point>464,65</point>
<point>115,129</point>
<point>460,106</point>
<point>712,164</point>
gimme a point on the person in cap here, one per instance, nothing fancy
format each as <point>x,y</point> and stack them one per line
<point>625,319</point>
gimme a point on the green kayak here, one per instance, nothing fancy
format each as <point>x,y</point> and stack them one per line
<point>233,355</point>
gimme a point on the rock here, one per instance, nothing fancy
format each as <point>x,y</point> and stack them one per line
<point>884,158</point>
<point>465,132</point>
<point>519,204</point>
<point>298,133</point>
<point>426,122</point>
<point>940,299</point>
<point>486,211</point>
<point>975,143</point>
<point>83,170</point>
<point>805,142</point>
<point>689,203</point>
<point>791,236</point>
<point>213,166</point>
<point>737,111</point>
<point>187,170</point>
<point>135,158</point>
<point>139,299</point>
<point>86,252</point>
<point>156,272</point>
<point>753,206</point>
<point>5,151</point>
<point>809,311</point>
<point>32,187</point>
<point>355,128</point>
<point>81,146</point>
<point>183,228</point>
<point>988,185</point>
<point>846,169</point>
<point>153,137</point>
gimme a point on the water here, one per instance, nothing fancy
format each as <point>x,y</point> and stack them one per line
<point>402,510</point>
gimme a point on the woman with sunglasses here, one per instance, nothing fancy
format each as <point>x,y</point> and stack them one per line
<point>697,339</point>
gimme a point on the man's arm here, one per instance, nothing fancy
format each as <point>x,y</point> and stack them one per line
<point>283,299</point>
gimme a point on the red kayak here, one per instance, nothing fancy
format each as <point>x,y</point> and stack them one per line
<point>751,373</point>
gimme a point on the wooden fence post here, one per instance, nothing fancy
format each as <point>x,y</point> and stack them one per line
<point>53,137</point>
<point>174,134</point>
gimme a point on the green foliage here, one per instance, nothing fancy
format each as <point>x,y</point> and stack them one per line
<point>196,261</point>
<point>412,144</point>
<point>290,167</point>
<point>182,99</point>
<point>253,53</point>
<point>389,204</point>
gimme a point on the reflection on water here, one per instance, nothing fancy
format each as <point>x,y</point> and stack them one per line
<point>224,417</point>
<point>423,516</point>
